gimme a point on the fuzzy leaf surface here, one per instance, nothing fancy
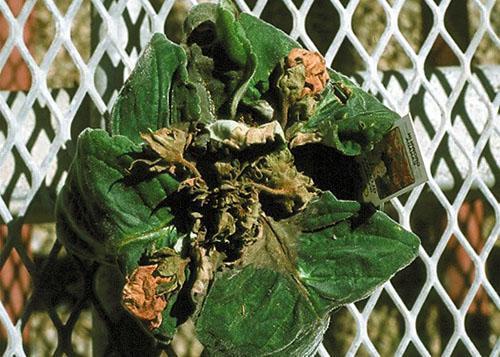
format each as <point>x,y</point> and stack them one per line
<point>302,269</point>
<point>101,210</point>
<point>144,101</point>
<point>349,119</point>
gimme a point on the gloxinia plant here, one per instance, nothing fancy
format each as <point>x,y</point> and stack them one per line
<point>215,197</point>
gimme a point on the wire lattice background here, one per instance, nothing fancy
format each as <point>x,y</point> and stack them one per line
<point>61,64</point>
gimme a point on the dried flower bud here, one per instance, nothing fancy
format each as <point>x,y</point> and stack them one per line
<point>168,145</point>
<point>315,66</point>
<point>140,297</point>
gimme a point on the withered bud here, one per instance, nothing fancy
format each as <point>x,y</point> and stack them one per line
<point>315,66</point>
<point>140,297</point>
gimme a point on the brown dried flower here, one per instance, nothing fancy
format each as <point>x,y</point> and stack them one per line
<point>140,297</point>
<point>315,66</point>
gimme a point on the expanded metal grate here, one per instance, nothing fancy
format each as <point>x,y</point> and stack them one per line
<point>410,53</point>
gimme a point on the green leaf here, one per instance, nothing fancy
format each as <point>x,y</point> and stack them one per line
<point>270,45</point>
<point>230,42</point>
<point>343,264</point>
<point>238,48</point>
<point>349,119</point>
<point>143,102</point>
<point>199,14</point>
<point>326,212</point>
<point>201,96</point>
<point>172,315</point>
<point>253,45</point>
<point>232,35</point>
<point>258,312</point>
<point>296,274</point>
<point>102,211</point>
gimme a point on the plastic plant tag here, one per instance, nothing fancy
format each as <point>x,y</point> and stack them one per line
<point>394,166</point>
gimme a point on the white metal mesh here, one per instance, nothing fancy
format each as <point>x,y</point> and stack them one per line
<point>461,151</point>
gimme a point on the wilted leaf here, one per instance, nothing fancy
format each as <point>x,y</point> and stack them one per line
<point>169,145</point>
<point>240,136</point>
<point>301,269</point>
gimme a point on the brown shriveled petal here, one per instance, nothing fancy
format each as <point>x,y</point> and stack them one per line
<point>265,133</point>
<point>300,139</point>
<point>316,73</point>
<point>139,295</point>
<point>169,144</point>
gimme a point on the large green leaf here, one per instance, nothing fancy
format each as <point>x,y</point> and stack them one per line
<point>255,46</point>
<point>144,100</point>
<point>349,119</point>
<point>101,210</point>
<point>258,312</point>
<point>270,46</point>
<point>105,215</point>
<point>343,263</point>
<point>302,269</point>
